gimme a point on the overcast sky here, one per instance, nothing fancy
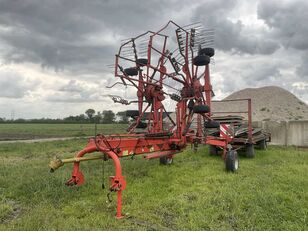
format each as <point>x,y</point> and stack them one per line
<point>53,54</point>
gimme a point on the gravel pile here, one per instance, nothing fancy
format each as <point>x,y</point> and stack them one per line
<point>268,103</point>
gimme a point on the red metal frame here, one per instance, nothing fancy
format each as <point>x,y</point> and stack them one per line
<point>150,82</point>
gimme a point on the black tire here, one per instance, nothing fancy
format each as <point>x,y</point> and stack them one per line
<point>132,71</point>
<point>142,62</point>
<point>132,113</point>
<point>165,160</point>
<point>213,150</point>
<point>142,125</point>
<point>201,109</point>
<point>201,60</point>
<point>250,151</point>
<point>262,144</point>
<point>207,51</point>
<point>212,124</point>
<point>232,161</point>
<point>216,134</point>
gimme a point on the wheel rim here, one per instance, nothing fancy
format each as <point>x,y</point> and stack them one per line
<point>236,163</point>
<point>169,160</point>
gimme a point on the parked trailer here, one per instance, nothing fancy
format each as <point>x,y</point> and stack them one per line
<point>235,133</point>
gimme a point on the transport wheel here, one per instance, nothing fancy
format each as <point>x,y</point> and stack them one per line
<point>142,125</point>
<point>213,150</point>
<point>232,161</point>
<point>207,51</point>
<point>201,109</point>
<point>132,113</point>
<point>142,62</point>
<point>262,144</point>
<point>132,71</point>
<point>165,160</point>
<point>212,124</point>
<point>201,60</point>
<point>250,151</point>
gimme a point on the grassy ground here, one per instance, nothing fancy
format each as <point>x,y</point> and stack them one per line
<point>30,131</point>
<point>269,192</point>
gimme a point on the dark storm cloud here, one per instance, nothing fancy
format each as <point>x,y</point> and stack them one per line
<point>56,33</point>
<point>229,35</point>
<point>287,21</point>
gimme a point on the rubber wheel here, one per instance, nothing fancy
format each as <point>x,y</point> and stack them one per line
<point>142,62</point>
<point>250,151</point>
<point>212,124</point>
<point>262,144</point>
<point>132,71</point>
<point>216,134</point>
<point>201,60</point>
<point>232,161</point>
<point>207,51</point>
<point>132,113</point>
<point>165,160</point>
<point>213,150</point>
<point>142,125</point>
<point>201,109</point>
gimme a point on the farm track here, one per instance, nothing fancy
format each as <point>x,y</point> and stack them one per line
<point>41,139</point>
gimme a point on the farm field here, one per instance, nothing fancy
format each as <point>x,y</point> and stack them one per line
<point>269,192</point>
<point>36,131</point>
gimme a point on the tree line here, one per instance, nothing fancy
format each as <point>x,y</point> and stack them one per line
<point>90,116</point>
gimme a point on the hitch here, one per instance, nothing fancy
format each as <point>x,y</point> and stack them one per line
<point>57,162</point>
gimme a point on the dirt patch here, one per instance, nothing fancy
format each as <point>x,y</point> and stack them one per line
<point>8,137</point>
<point>42,139</point>
<point>9,210</point>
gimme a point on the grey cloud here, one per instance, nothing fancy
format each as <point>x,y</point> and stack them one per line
<point>251,75</point>
<point>56,33</point>
<point>52,53</point>
<point>287,21</point>
<point>229,35</point>
<point>72,86</point>
<point>302,69</point>
<point>76,92</point>
<point>13,85</point>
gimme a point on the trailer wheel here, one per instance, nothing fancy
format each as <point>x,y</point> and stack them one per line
<point>132,113</point>
<point>165,160</point>
<point>213,150</point>
<point>142,62</point>
<point>132,71</point>
<point>142,125</point>
<point>207,51</point>
<point>212,124</point>
<point>201,60</point>
<point>232,161</point>
<point>250,151</point>
<point>262,144</point>
<point>201,109</point>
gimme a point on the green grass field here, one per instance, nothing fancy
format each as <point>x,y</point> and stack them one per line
<point>30,131</point>
<point>269,192</point>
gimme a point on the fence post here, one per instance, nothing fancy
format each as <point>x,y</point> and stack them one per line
<point>286,132</point>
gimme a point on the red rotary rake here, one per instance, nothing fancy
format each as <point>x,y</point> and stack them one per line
<point>152,68</point>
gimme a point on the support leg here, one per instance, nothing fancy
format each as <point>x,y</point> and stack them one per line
<point>117,182</point>
<point>77,176</point>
